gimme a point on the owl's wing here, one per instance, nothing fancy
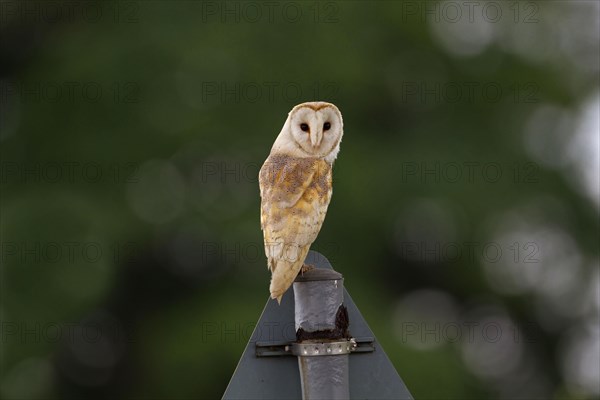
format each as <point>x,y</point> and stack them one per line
<point>295,195</point>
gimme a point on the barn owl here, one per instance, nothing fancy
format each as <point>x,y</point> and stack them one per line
<point>295,188</point>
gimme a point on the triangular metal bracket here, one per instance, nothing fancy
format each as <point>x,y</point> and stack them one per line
<point>372,375</point>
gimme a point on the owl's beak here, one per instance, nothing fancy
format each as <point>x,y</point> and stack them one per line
<point>315,139</point>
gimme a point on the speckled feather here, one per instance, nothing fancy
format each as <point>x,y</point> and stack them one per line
<point>295,195</point>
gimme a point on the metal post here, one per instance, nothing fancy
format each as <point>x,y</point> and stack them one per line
<point>323,343</point>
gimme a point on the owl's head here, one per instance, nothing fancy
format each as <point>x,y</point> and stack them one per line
<point>312,129</point>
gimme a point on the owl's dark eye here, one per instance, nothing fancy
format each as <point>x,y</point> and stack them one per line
<point>304,127</point>
<point>326,126</point>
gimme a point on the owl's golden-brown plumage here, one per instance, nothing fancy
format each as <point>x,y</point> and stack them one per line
<point>295,188</point>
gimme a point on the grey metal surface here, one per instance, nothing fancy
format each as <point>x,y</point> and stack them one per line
<point>372,375</point>
<point>324,378</point>
<point>317,302</point>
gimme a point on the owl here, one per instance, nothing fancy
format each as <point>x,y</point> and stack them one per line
<point>295,188</point>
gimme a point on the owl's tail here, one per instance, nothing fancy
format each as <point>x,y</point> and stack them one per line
<point>284,272</point>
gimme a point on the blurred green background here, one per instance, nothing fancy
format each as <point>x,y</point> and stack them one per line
<point>465,209</point>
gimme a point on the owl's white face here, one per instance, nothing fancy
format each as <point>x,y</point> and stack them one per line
<point>312,129</point>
